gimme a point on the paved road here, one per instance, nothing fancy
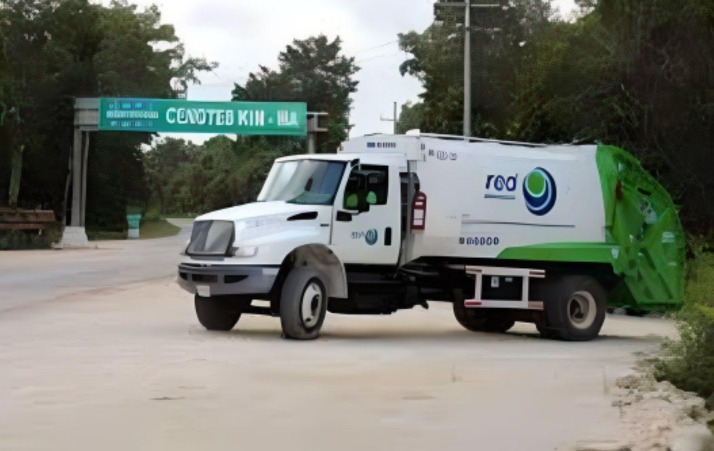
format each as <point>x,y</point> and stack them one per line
<point>28,277</point>
<point>101,350</point>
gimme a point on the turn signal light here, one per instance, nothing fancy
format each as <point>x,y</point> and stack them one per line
<point>419,211</point>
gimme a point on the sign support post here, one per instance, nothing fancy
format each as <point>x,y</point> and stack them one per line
<point>86,120</point>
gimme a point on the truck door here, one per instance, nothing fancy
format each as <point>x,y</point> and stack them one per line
<point>366,224</point>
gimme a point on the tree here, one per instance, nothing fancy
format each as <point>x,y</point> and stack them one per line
<point>51,52</point>
<point>500,39</point>
<point>665,62</point>
<point>220,173</point>
<point>410,117</point>
<point>161,164</point>
<point>313,71</point>
<point>24,37</point>
<point>636,74</point>
<point>437,62</point>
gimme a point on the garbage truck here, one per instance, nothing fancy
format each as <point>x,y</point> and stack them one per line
<point>506,232</point>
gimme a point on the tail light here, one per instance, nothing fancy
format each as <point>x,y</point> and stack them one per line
<point>419,211</point>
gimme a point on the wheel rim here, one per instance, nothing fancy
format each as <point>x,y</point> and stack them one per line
<point>582,309</point>
<point>311,304</point>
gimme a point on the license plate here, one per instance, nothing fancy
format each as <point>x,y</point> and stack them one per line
<point>203,291</point>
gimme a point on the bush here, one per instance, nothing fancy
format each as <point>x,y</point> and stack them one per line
<point>29,239</point>
<point>689,362</point>
<point>151,215</point>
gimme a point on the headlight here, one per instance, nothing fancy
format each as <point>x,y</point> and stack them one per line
<point>245,251</point>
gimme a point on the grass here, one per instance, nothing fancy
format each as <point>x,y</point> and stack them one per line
<point>183,215</point>
<point>689,362</point>
<point>159,228</point>
<point>105,235</point>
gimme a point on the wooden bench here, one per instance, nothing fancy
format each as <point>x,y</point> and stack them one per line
<point>16,219</point>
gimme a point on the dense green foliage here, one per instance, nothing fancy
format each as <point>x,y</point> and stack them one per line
<point>185,178</point>
<point>636,73</point>
<point>29,239</point>
<point>53,51</point>
<point>501,41</point>
<point>410,117</point>
<point>690,361</point>
<point>312,70</point>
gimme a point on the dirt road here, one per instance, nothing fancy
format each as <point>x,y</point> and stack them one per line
<point>127,367</point>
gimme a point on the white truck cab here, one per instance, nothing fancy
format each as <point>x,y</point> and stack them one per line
<point>505,231</point>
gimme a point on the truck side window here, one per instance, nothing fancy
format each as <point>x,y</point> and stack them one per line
<point>367,185</point>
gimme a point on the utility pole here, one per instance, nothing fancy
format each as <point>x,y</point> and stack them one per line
<point>394,118</point>
<point>467,69</point>
<point>439,8</point>
<point>313,128</point>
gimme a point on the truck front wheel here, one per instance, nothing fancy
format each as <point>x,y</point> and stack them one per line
<point>479,320</point>
<point>214,314</point>
<point>303,304</point>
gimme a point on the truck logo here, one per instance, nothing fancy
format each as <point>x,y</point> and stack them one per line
<point>539,191</point>
<point>501,187</point>
<point>371,237</point>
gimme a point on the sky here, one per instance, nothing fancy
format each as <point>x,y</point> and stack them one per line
<point>242,34</point>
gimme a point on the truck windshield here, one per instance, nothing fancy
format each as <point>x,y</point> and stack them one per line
<point>311,182</point>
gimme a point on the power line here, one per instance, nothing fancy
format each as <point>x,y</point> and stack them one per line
<point>377,46</point>
<point>386,55</point>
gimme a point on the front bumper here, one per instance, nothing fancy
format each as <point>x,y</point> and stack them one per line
<point>220,280</point>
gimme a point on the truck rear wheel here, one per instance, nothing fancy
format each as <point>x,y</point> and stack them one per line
<point>303,304</point>
<point>214,314</point>
<point>478,320</point>
<point>575,308</point>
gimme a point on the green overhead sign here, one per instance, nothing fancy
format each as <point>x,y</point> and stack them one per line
<point>183,116</point>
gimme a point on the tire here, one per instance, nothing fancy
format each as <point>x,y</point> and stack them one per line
<point>303,304</point>
<point>213,314</point>
<point>478,320</point>
<point>545,332</point>
<point>575,308</point>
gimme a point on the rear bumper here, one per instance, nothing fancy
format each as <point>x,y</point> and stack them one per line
<point>220,280</point>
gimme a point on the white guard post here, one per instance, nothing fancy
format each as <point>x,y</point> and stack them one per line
<point>524,303</point>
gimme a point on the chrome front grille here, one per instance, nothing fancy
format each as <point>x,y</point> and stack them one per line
<point>211,238</point>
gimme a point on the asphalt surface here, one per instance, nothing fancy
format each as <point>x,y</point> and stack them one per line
<point>29,277</point>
